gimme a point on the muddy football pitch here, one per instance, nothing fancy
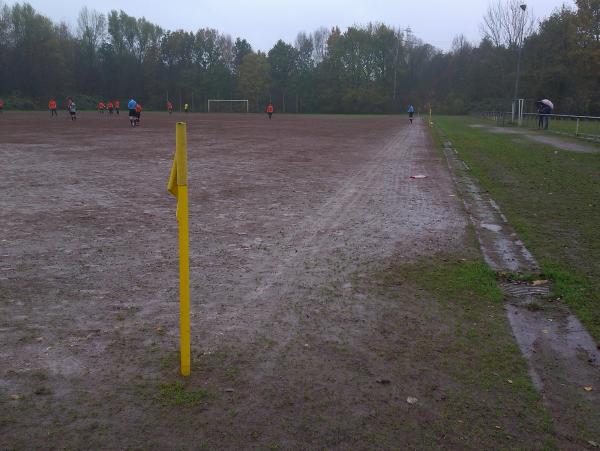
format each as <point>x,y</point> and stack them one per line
<point>287,217</point>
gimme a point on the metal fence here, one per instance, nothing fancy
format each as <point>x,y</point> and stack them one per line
<point>586,127</point>
<point>500,117</point>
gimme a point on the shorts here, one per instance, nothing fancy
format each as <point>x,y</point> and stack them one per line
<point>411,114</point>
<point>132,114</point>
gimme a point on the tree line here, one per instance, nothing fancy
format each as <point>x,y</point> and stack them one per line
<point>372,68</point>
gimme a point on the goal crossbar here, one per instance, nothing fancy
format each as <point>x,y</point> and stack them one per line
<point>227,100</point>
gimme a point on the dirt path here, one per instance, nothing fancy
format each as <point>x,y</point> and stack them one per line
<point>373,212</point>
<point>569,145</point>
<point>282,214</point>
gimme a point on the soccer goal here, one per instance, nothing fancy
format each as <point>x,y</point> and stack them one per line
<point>227,106</point>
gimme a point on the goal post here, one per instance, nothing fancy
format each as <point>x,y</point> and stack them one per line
<point>243,104</point>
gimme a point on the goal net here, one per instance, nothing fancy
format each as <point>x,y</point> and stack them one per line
<point>227,106</point>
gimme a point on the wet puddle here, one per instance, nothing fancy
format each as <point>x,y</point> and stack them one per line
<point>491,227</point>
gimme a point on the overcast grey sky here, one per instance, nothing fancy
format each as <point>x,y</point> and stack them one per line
<point>262,22</point>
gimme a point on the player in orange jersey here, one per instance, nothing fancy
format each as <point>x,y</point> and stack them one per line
<point>270,110</point>
<point>52,107</point>
<point>138,113</point>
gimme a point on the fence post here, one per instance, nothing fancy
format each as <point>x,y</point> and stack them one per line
<point>521,108</point>
<point>577,128</point>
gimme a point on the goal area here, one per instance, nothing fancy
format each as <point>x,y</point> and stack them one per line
<point>227,106</point>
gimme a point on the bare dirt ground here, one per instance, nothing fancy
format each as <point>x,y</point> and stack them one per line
<point>287,352</point>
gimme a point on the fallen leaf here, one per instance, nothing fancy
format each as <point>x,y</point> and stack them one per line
<point>593,444</point>
<point>418,176</point>
<point>384,381</point>
<point>411,400</point>
<point>545,331</point>
<point>15,397</point>
<point>537,283</point>
<point>509,381</point>
<point>588,388</point>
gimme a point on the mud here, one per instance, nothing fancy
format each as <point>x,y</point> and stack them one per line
<point>563,358</point>
<point>501,248</point>
<point>281,213</point>
<point>553,141</point>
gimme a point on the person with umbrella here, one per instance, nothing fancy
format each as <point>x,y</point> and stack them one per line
<point>544,108</point>
<point>539,106</point>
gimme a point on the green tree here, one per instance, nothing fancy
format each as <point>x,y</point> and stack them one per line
<point>241,48</point>
<point>254,78</point>
<point>283,60</point>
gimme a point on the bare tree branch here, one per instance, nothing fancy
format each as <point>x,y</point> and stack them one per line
<point>91,27</point>
<point>319,39</point>
<point>506,24</point>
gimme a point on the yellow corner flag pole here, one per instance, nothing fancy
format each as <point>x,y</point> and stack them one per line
<point>178,187</point>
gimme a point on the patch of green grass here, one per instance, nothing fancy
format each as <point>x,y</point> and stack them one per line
<point>465,282</point>
<point>576,290</point>
<point>176,394</point>
<point>567,126</point>
<point>231,372</point>
<point>171,360</point>
<point>520,277</point>
<point>265,341</point>
<point>489,399</point>
<point>551,198</point>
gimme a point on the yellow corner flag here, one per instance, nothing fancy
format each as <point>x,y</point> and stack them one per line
<point>177,186</point>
